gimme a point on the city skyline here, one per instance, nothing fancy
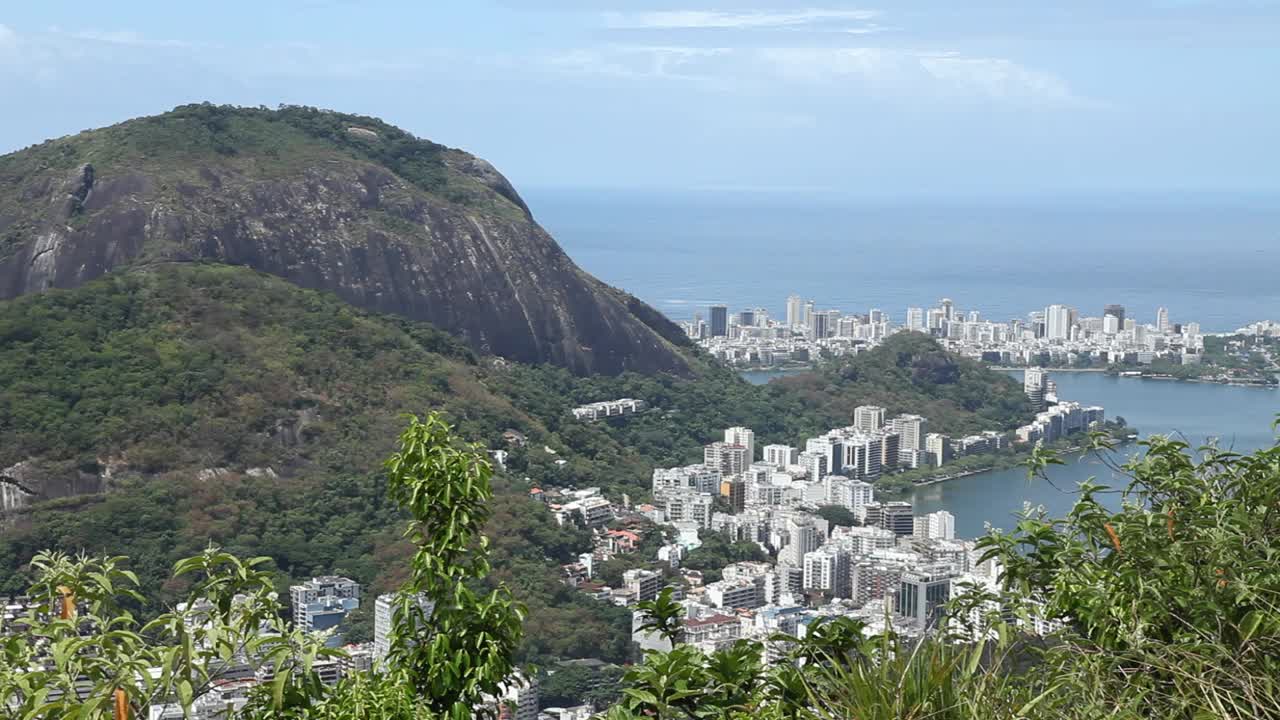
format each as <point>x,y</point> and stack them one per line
<point>797,310</point>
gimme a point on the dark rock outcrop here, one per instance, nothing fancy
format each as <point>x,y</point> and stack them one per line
<point>328,219</point>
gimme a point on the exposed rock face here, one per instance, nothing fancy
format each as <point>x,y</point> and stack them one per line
<point>484,271</point>
<point>27,482</point>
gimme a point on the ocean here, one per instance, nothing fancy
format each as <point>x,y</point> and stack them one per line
<point>1215,261</point>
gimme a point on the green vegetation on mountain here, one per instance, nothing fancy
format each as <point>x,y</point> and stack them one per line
<point>907,373</point>
<point>715,552</point>
<point>158,410</point>
<point>142,380</point>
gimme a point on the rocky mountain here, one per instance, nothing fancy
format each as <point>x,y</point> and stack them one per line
<point>348,204</point>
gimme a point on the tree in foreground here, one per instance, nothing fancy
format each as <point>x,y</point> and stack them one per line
<point>80,653</point>
<point>1165,593</point>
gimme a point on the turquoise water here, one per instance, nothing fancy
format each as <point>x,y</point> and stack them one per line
<point>1238,417</point>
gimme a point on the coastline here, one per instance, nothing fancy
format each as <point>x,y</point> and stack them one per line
<point>1048,369</point>
<point>967,473</point>
<point>954,476</point>
<point>1209,381</point>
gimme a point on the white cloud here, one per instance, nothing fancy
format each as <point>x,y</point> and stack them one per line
<point>999,79</point>
<point>707,19</point>
<point>130,38</point>
<point>926,74</point>
<point>8,40</point>
<point>887,73</point>
<point>638,61</point>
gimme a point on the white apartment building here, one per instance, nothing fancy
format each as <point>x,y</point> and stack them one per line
<point>642,584</point>
<point>802,538</point>
<point>696,478</point>
<point>940,525</point>
<point>743,437</point>
<point>781,456</point>
<point>868,418</point>
<point>827,569</point>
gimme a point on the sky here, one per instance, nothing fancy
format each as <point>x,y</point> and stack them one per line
<point>928,97</point>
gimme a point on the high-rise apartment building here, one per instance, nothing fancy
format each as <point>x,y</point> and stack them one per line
<point>868,418</point>
<point>1116,311</point>
<point>1162,320</point>
<point>802,538</point>
<point>1035,383</point>
<point>863,456</point>
<point>832,448</point>
<point>911,430</point>
<point>781,456</point>
<point>937,448</point>
<point>323,602</point>
<point>719,321</point>
<point>935,318</point>
<point>795,311</point>
<point>922,596</point>
<point>642,584</point>
<point>734,490</point>
<point>744,437</point>
<point>819,325</point>
<point>693,478</point>
<point>940,525</point>
<point>384,609</point>
<point>915,319</point>
<point>894,516</point>
<point>1057,319</point>
<point>817,464</point>
<point>727,458</point>
<point>827,569</point>
<point>890,450</point>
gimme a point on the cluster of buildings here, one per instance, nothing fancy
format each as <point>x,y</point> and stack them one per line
<point>608,409</point>
<point>895,569</point>
<point>1057,336</point>
<point>1056,420</point>
<point>1060,336</point>
<point>891,566</point>
<point>751,338</point>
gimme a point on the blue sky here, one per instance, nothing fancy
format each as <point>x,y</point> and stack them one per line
<point>933,97</point>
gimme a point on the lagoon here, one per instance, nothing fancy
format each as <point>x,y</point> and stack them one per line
<point>1234,417</point>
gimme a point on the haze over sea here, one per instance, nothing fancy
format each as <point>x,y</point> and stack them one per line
<point>1211,259</point>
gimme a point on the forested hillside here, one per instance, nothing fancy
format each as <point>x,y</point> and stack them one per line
<point>158,410</point>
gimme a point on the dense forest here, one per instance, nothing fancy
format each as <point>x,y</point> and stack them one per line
<point>214,404</point>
